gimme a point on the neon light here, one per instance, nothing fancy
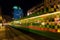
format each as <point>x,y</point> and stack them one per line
<point>15,7</point>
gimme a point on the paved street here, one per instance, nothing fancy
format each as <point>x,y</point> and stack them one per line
<point>2,33</point>
<point>9,33</point>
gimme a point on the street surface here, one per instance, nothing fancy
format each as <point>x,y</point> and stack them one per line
<point>9,33</point>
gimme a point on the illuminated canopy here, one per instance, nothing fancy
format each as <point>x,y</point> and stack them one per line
<point>15,7</point>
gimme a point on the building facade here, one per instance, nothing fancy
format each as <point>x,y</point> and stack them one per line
<point>0,11</point>
<point>45,6</point>
<point>0,16</point>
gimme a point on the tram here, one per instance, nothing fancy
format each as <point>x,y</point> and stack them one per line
<point>46,22</point>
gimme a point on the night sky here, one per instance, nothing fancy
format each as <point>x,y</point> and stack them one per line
<point>24,4</point>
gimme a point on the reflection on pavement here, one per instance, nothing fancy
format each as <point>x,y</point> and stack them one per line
<point>8,33</point>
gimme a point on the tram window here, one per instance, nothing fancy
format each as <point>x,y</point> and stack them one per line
<point>58,27</point>
<point>54,9</point>
<point>52,6</point>
<point>49,26</point>
<point>56,6</point>
<point>52,19</point>
<point>53,27</point>
<point>42,10</point>
<point>47,9</point>
<point>50,1</point>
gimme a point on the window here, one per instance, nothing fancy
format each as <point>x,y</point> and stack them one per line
<point>50,1</point>
<point>52,6</point>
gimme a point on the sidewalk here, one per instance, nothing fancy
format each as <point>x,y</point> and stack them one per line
<point>2,28</point>
<point>2,33</point>
<point>9,33</point>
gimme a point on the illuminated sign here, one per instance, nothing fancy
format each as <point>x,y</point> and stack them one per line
<point>18,13</point>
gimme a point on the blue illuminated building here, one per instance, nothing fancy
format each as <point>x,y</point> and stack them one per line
<point>18,13</point>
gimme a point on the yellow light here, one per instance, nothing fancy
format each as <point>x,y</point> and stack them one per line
<point>9,23</point>
<point>58,30</point>
<point>52,9</point>
<point>54,6</point>
<point>0,17</point>
<point>0,24</point>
